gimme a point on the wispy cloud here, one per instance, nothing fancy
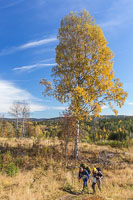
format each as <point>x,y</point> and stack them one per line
<point>130,103</point>
<point>32,67</point>
<point>27,45</point>
<point>119,14</point>
<point>57,108</point>
<point>43,50</point>
<point>10,93</point>
<point>44,108</point>
<point>104,107</point>
<point>112,23</point>
<point>10,4</point>
<point>47,60</point>
<point>37,43</point>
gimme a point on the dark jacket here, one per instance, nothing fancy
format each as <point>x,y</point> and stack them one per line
<point>97,175</point>
<point>84,173</point>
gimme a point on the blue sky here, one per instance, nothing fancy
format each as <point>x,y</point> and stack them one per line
<point>28,31</point>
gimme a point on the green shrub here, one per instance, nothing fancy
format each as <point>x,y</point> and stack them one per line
<point>11,169</point>
<point>120,136</point>
<point>116,143</point>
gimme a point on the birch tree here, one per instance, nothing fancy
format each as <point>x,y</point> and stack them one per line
<point>25,113</point>
<point>84,75</point>
<point>67,130</point>
<point>2,123</point>
<point>15,111</point>
<point>21,111</point>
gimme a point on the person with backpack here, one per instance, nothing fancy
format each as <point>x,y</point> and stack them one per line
<point>96,178</point>
<point>84,175</point>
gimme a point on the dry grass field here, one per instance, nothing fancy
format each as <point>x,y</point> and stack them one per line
<point>42,175</point>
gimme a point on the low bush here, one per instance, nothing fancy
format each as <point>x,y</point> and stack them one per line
<point>11,169</point>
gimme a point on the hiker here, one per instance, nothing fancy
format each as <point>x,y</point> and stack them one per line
<point>97,176</point>
<point>84,175</point>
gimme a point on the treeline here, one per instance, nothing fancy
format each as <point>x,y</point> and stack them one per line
<point>31,128</point>
<point>115,128</point>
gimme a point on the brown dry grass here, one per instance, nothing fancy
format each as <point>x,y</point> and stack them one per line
<point>27,142</point>
<point>49,184</point>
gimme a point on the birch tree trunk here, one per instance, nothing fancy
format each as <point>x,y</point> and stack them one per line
<point>17,127</point>
<point>77,142</point>
<point>23,129</point>
<point>2,127</point>
<point>66,152</point>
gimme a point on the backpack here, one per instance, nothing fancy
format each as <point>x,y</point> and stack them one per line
<point>99,171</point>
<point>86,167</point>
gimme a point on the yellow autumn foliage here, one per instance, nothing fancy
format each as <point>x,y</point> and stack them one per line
<point>84,75</point>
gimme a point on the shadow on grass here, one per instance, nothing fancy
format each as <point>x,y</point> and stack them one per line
<point>73,192</point>
<point>70,191</point>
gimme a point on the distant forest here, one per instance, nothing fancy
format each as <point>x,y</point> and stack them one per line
<point>103,128</point>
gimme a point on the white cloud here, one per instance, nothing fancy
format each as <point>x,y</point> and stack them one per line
<point>119,14</point>
<point>35,108</point>
<point>10,93</point>
<point>57,108</point>
<point>112,23</point>
<point>104,107</point>
<point>46,60</point>
<point>37,43</point>
<point>31,67</point>
<point>130,103</point>
<point>27,46</point>
<point>11,4</point>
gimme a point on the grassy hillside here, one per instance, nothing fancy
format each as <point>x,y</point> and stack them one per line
<point>37,170</point>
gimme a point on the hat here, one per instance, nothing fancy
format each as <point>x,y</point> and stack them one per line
<point>94,169</point>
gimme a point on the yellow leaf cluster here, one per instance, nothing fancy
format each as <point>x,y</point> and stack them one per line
<point>84,75</point>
